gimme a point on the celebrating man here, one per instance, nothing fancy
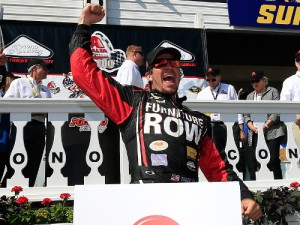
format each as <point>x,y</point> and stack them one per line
<point>165,141</point>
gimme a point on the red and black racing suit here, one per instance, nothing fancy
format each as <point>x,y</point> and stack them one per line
<point>165,141</point>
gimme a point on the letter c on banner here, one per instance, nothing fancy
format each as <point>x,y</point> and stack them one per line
<point>230,156</point>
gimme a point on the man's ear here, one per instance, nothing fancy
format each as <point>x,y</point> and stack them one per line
<point>148,75</point>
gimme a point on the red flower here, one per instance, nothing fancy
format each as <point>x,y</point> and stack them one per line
<point>22,200</point>
<point>294,185</point>
<point>46,201</point>
<point>65,196</point>
<point>17,189</point>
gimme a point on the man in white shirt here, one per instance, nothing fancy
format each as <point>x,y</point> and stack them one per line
<point>219,91</point>
<point>129,73</point>
<point>2,72</point>
<point>31,86</point>
<point>291,92</point>
<point>2,81</point>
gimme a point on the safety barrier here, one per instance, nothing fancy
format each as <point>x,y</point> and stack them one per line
<point>59,110</point>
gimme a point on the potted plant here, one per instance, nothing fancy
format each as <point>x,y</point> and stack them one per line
<point>278,204</point>
<point>17,210</point>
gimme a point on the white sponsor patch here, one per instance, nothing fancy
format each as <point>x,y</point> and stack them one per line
<point>159,159</point>
<point>158,145</point>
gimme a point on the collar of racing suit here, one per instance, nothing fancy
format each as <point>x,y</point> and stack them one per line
<point>179,100</point>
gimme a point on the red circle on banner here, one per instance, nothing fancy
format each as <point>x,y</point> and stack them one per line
<point>156,220</point>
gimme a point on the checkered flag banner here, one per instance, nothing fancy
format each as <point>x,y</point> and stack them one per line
<point>118,56</point>
<point>104,54</point>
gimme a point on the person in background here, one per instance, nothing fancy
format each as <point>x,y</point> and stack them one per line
<point>3,61</point>
<point>129,73</point>
<point>4,123</point>
<point>291,92</point>
<point>5,147</point>
<point>34,132</point>
<point>7,135</point>
<point>247,163</point>
<point>165,141</point>
<point>2,83</point>
<point>9,78</point>
<point>216,90</point>
<point>273,128</point>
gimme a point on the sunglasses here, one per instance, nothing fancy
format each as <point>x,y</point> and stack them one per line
<point>255,81</point>
<point>141,53</point>
<point>297,60</point>
<point>163,62</point>
<point>211,80</point>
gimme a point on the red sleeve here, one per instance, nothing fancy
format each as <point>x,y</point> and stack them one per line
<point>210,162</point>
<point>216,167</point>
<point>103,90</point>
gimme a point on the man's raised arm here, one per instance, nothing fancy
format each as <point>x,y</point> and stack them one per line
<point>91,13</point>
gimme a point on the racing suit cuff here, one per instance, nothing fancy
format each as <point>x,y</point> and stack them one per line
<point>246,194</point>
<point>83,28</point>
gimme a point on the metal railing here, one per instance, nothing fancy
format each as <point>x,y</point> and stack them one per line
<point>58,113</point>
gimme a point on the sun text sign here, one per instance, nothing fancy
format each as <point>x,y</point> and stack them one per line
<point>263,13</point>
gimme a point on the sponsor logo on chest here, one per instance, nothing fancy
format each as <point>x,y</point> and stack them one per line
<point>172,121</point>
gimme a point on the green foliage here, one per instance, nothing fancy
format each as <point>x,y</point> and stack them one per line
<point>56,213</point>
<point>276,204</point>
<point>15,214</point>
<point>18,211</point>
<point>61,214</point>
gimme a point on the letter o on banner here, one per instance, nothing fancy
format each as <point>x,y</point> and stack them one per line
<point>94,156</point>
<point>263,153</point>
<point>18,158</point>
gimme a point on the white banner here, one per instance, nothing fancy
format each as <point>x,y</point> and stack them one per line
<point>158,204</point>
